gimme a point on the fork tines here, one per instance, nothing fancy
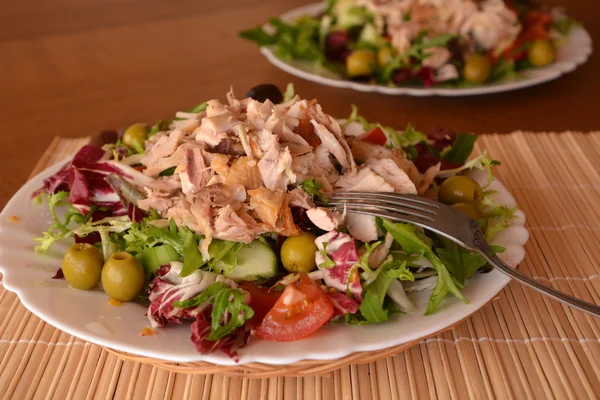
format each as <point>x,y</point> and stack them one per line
<point>385,204</point>
<point>385,195</point>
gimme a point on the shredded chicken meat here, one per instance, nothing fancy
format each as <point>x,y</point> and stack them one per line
<point>238,168</point>
<point>488,24</point>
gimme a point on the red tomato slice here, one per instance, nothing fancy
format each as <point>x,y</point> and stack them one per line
<point>300,311</point>
<point>140,168</point>
<point>376,136</point>
<point>261,301</point>
<point>537,31</point>
<point>536,26</point>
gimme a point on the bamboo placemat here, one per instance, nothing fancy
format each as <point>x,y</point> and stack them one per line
<point>523,346</point>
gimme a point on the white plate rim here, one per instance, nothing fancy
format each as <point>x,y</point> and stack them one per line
<point>567,61</point>
<point>272,352</point>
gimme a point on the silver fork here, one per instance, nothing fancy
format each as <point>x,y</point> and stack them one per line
<point>450,223</point>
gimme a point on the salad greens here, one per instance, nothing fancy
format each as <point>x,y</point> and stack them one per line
<point>397,139</point>
<point>500,216</point>
<point>373,308</point>
<point>204,297</point>
<point>147,235</point>
<point>482,162</point>
<point>60,229</point>
<point>462,264</point>
<point>229,311</point>
<point>313,188</point>
<point>413,44</point>
<point>304,261</point>
<point>461,149</point>
<point>294,41</point>
<point>416,53</point>
<point>408,237</point>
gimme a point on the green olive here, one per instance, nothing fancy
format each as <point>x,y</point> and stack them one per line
<point>384,56</point>
<point>541,52</point>
<point>298,253</point>
<point>460,189</point>
<point>471,210</point>
<point>477,68</point>
<point>122,277</point>
<point>360,63</point>
<point>82,266</point>
<point>135,136</point>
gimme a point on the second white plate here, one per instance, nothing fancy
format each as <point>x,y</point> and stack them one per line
<point>575,51</point>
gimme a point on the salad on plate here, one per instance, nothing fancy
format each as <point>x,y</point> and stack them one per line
<point>421,43</point>
<point>219,218</point>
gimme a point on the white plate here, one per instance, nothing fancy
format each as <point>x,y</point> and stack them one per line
<point>87,314</point>
<point>575,51</point>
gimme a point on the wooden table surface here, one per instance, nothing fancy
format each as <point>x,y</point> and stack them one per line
<point>74,67</point>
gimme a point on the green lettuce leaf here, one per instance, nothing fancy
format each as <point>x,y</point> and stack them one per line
<point>291,41</point>
<point>229,313</point>
<point>147,234</point>
<point>259,36</point>
<point>168,172</point>
<point>160,126</point>
<point>324,27</point>
<point>205,296</point>
<point>461,263</point>
<point>105,227</point>
<point>225,251</point>
<point>328,263</point>
<point>192,259</point>
<point>368,274</point>
<point>461,149</point>
<point>415,54</point>
<point>313,188</point>
<point>504,69</point>
<point>499,216</point>
<point>372,306</point>
<point>483,162</point>
<point>229,309</point>
<point>406,236</point>
<point>289,92</point>
<point>396,139</point>
<point>330,5</point>
<point>199,108</point>
<point>61,228</point>
<point>401,272</point>
<point>408,137</point>
<point>373,309</point>
<point>564,25</point>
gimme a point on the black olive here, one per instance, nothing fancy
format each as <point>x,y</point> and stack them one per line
<point>105,137</point>
<point>457,52</point>
<point>266,91</point>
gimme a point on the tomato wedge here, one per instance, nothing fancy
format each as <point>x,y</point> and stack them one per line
<point>376,136</point>
<point>261,301</point>
<point>536,26</point>
<point>300,311</point>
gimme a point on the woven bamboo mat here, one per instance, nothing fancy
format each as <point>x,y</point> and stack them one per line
<point>523,346</point>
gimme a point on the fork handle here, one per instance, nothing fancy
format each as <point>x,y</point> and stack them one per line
<point>485,250</point>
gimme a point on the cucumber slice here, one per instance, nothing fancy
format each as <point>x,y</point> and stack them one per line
<point>348,14</point>
<point>369,35</point>
<point>255,260</point>
<point>152,258</point>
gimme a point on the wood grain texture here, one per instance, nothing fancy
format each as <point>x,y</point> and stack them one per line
<point>74,67</point>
